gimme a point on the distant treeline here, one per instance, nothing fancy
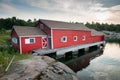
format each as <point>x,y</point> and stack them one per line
<point>104,26</point>
<point>6,24</point>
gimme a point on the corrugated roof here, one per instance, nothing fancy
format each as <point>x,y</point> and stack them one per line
<point>27,31</point>
<point>71,26</point>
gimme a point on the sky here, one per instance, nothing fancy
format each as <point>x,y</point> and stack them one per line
<point>102,11</point>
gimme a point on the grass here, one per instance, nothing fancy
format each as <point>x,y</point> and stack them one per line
<point>4,38</point>
<point>7,52</point>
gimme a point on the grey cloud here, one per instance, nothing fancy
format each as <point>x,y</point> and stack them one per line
<point>64,10</point>
<point>109,3</point>
<point>64,5</point>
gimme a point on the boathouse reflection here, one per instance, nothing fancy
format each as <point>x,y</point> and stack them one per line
<point>82,59</point>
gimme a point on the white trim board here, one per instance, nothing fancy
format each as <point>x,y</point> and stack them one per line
<point>34,36</point>
<point>20,45</point>
<point>51,39</point>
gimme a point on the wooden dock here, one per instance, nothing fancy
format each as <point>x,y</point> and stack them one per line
<point>62,51</point>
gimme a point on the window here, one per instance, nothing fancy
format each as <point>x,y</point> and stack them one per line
<point>14,40</point>
<point>41,26</point>
<point>64,39</point>
<point>83,38</point>
<point>30,41</point>
<point>75,38</point>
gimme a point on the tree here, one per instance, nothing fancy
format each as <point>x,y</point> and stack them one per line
<point>35,20</point>
<point>29,20</point>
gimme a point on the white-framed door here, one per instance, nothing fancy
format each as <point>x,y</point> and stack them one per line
<point>44,42</point>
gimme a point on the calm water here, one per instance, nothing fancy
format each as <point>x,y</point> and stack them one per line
<point>98,64</point>
<point>104,67</point>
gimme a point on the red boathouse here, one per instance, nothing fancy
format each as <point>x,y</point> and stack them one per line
<point>54,35</point>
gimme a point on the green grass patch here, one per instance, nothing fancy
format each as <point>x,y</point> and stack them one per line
<point>19,56</point>
<point>6,54</point>
<point>4,38</point>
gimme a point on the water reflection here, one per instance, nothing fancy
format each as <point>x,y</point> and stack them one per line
<point>82,61</point>
<point>105,67</point>
<point>112,51</point>
<point>97,65</point>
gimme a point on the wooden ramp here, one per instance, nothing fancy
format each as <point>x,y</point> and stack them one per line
<point>43,51</point>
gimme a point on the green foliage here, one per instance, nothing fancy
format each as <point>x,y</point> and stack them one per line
<point>107,27</point>
<point>107,33</point>
<point>8,23</point>
<point>113,40</point>
<point>6,54</point>
<point>2,31</point>
<point>4,37</point>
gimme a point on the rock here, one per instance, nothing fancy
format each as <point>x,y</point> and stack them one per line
<point>60,72</point>
<point>48,60</point>
<point>40,68</point>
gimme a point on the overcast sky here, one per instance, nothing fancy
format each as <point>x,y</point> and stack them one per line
<point>106,11</point>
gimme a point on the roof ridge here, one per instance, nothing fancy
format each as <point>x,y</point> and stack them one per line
<point>59,21</point>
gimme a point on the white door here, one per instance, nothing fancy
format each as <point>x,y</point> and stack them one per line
<point>44,42</point>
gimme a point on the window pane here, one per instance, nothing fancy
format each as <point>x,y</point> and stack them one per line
<point>75,38</point>
<point>31,40</point>
<point>83,38</point>
<point>64,39</point>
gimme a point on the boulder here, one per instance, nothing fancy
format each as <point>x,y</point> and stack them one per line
<point>39,68</point>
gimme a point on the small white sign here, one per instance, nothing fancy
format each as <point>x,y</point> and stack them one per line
<point>27,41</point>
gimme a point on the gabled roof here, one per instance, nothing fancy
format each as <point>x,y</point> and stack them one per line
<point>69,26</point>
<point>64,25</point>
<point>27,31</point>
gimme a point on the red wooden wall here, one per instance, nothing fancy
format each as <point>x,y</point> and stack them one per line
<point>30,47</point>
<point>57,34</point>
<point>14,35</point>
<point>47,30</point>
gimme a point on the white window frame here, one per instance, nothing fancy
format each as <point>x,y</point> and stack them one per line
<point>27,41</point>
<point>83,38</point>
<point>75,38</point>
<point>62,39</point>
<point>15,40</point>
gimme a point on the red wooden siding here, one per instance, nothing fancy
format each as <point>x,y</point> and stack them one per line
<point>57,34</point>
<point>96,38</point>
<point>46,29</point>
<point>30,47</point>
<point>14,35</point>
